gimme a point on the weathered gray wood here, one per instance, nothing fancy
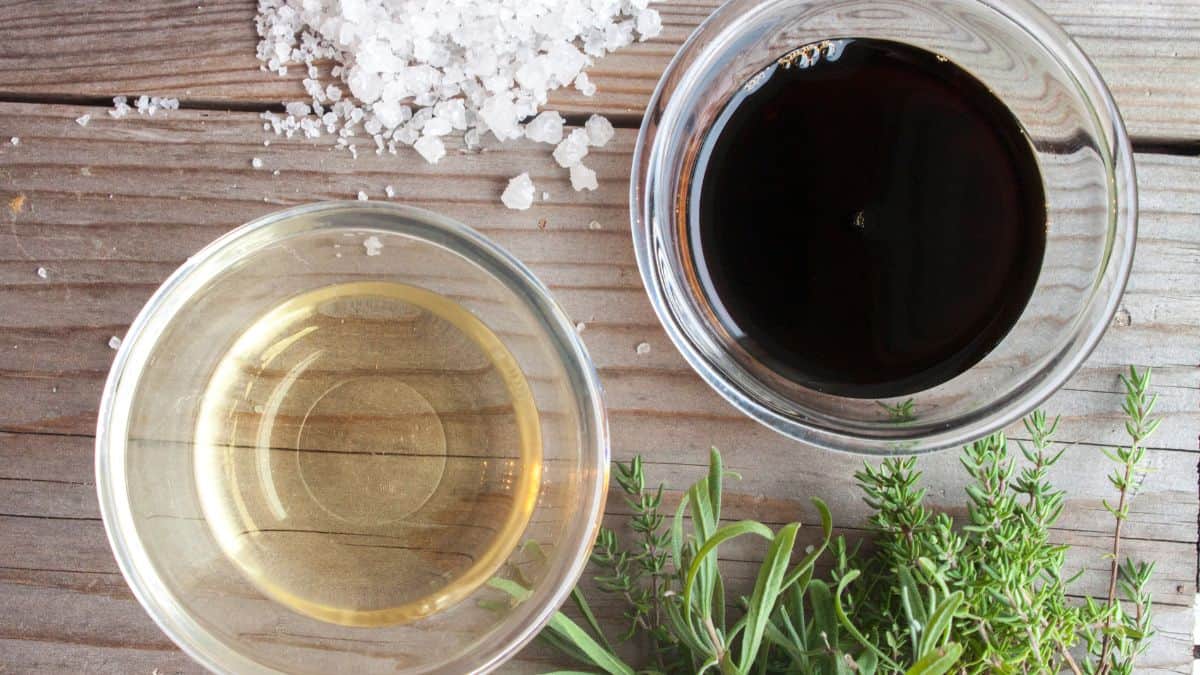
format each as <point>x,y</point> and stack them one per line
<point>105,256</point>
<point>111,209</point>
<point>204,52</point>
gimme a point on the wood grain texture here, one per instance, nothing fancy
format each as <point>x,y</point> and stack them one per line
<point>203,52</point>
<point>112,208</point>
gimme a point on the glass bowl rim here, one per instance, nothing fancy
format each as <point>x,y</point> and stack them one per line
<point>129,550</point>
<point>912,438</point>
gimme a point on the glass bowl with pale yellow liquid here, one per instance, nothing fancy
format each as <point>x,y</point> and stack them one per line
<point>331,429</point>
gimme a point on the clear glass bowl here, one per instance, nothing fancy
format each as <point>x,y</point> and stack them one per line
<point>1082,151</point>
<point>279,502</point>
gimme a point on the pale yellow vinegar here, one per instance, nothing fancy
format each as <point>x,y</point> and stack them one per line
<point>368,453</point>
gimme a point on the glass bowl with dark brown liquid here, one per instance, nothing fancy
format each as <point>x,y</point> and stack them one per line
<point>883,226</point>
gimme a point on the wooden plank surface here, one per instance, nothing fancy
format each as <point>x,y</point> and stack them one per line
<point>109,225</point>
<point>1148,50</point>
<point>112,208</point>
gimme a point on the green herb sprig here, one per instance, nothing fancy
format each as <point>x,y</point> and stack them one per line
<point>986,596</point>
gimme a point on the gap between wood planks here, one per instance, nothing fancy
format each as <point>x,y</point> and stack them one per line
<point>1149,145</point>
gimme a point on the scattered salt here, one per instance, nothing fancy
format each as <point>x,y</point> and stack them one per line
<point>409,71</point>
<point>573,149</point>
<point>584,84</point>
<point>545,196</point>
<point>257,163</point>
<point>275,172</point>
<point>83,120</point>
<point>643,348</point>
<point>583,178</point>
<point>362,196</point>
<point>41,272</point>
<point>519,193</point>
<point>389,191</point>
<point>547,127</point>
<point>372,244</point>
<point>114,342</point>
<point>15,140</point>
<point>599,130</point>
<point>120,107</point>
<point>649,24</point>
<point>594,225</point>
<point>431,148</point>
<point>147,105</point>
<point>579,327</point>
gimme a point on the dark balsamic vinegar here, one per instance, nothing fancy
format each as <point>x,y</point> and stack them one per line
<point>867,218</point>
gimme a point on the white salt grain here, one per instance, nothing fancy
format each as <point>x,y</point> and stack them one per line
<point>15,140</point>
<point>579,327</point>
<point>83,120</point>
<point>114,342</point>
<point>594,225</point>
<point>431,148</point>
<point>42,273</point>
<point>573,149</point>
<point>275,172</point>
<point>643,348</point>
<point>120,107</point>
<point>599,130</point>
<point>583,178</point>
<point>362,196</point>
<point>372,244</point>
<point>545,196</point>
<point>584,84</point>
<point>649,24</point>
<point>389,191</point>
<point>519,193</point>
<point>547,127</point>
<point>256,162</point>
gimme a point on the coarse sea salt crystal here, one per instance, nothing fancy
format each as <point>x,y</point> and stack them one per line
<point>572,149</point>
<point>114,342</point>
<point>649,24</point>
<point>362,196</point>
<point>15,140</point>
<point>256,162</point>
<point>584,84</point>
<point>431,148</point>
<point>583,178</point>
<point>599,130</point>
<point>547,127</point>
<point>389,191</point>
<point>519,193</point>
<point>83,120</point>
<point>42,273</point>
<point>372,245</point>
<point>643,348</point>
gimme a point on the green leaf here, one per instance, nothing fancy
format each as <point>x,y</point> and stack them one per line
<point>677,532</point>
<point>867,662</point>
<point>844,620</point>
<point>603,658</point>
<point>766,591</point>
<point>715,482</point>
<point>514,589</point>
<point>824,616</point>
<point>723,534</point>
<point>586,610</point>
<point>937,662</point>
<point>938,629</point>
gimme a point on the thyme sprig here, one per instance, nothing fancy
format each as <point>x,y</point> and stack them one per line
<point>987,595</point>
